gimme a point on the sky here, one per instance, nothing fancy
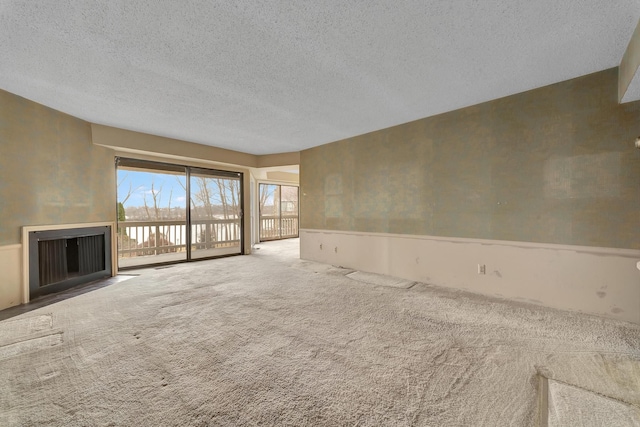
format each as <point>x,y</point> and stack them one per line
<point>140,185</point>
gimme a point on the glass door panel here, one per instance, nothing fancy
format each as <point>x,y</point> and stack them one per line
<point>151,213</point>
<point>288,212</point>
<point>216,213</point>
<point>269,212</point>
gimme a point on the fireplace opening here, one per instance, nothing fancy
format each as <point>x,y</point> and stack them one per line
<point>73,263</point>
<point>60,259</point>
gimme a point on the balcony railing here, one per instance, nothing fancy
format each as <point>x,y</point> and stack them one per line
<point>278,227</point>
<point>145,238</point>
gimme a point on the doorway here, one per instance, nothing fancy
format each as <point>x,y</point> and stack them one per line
<point>278,211</point>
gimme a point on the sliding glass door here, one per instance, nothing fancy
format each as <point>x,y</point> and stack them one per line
<point>170,213</point>
<point>278,211</point>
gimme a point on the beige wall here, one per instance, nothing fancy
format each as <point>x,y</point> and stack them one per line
<point>51,173</point>
<point>541,187</point>
<point>144,144</point>
<point>167,148</point>
<point>287,177</point>
<point>553,165</point>
<point>277,160</point>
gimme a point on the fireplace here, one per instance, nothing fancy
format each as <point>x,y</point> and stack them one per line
<point>62,258</point>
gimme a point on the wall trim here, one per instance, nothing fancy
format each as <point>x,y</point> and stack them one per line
<point>25,248</point>
<point>596,250</point>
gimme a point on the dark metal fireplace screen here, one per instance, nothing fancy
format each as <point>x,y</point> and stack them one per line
<point>60,259</point>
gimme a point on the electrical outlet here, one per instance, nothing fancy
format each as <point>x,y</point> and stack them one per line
<point>320,246</point>
<point>482,269</point>
<point>336,249</point>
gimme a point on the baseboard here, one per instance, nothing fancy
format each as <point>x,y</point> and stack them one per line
<point>594,280</point>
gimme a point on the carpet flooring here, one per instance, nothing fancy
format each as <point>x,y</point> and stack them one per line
<point>269,339</point>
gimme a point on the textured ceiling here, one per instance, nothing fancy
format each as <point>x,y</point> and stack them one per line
<point>275,76</point>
